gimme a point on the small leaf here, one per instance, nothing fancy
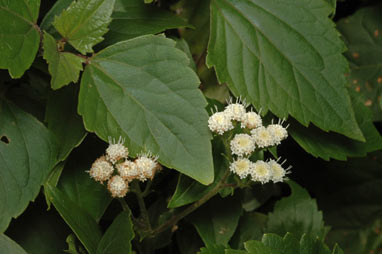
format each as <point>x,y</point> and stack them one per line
<point>133,18</point>
<point>217,220</point>
<point>301,75</point>
<point>188,190</point>
<point>142,89</point>
<point>57,8</point>
<point>7,245</point>
<point>64,67</point>
<point>363,37</point>
<point>28,152</point>
<point>19,35</point>
<point>76,183</point>
<point>331,145</point>
<point>84,23</point>
<point>118,236</point>
<point>297,213</point>
<point>62,119</point>
<point>212,249</point>
<point>83,225</point>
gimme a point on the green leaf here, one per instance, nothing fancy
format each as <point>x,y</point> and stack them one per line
<point>297,213</point>
<point>212,249</point>
<point>301,75</point>
<point>19,35</point>
<point>82,224</point>
<point>188,190</point>
<point>133,18</point>
<point>77,185</point>
<point>331,145</point>
<point>363,39</point>
<point>64,67</point>
<point>62,119</point>
<point>57,8</point>
<point>217,220</point>
<point>143,90</point>
<point>7,245</point>
<point>118,236</point>
<point>84,23</point>
<point>183,45</point>
<point>28,152</point>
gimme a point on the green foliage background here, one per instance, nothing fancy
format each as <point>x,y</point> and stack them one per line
<point>74,73</point>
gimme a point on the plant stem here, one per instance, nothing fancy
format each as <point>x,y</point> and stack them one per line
<point>174,219</point>
<point>124,205</point>
<point>141,202</point>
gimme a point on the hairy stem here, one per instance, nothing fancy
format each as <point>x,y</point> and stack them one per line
<point>141,202</point>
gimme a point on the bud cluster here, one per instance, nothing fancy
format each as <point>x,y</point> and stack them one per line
<point>254,136</point>
<point>117,170</point>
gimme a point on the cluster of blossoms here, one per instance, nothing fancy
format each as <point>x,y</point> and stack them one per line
<point>118,170</point>
<point>254,136</point>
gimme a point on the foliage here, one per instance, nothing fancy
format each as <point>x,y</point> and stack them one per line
<point>141,126</point>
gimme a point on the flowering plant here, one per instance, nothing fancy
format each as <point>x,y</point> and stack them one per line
<point>190,126</point>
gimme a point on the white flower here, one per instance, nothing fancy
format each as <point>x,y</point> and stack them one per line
<point>242,167</point>
<point>251,120</point>
<point>128,170</point>
<point>242,144</point>
<point>117,187</point>
<point>146,165</point>
<point>262,137</point>
<point>278,132</point>
<point>116,151</point>
<point>278,172</point>
<point>235,111</point>
<point>261,172</point>
<point>220,122</point>
<point>101,170</point>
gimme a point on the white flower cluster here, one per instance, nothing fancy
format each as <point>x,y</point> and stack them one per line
<point>254,135</point>
<point>118,170</point>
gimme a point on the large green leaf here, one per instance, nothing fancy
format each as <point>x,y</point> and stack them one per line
<point>217,220</point>
<point>64,67</point>
<point>63,120</point>
<point>76,183</point>
<point>283,56</point>
<point>133,18</point>
<point>363,39</point>
<point>187,190</point>
<point>297,213</point>
<point>7,245</point>
<point>331,145</point>
<point>84,23</point>
<point>118,236</point>
<point>82,224</point>
<point>143,90</point>
<point>28,152</point>
<point>19,35</point>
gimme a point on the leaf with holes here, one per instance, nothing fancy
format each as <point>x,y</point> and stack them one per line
<point>363,37</point>
<point>28,152</point>
<point>284,56</point>
<point>142,89</point>
<point>84,23</point>
<point>19,35</point>
<point>64,67</point>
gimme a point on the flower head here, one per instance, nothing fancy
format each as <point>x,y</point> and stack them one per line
<point>262,137</point>
<point>117,187</point>
<point>220,122</point>
<point>146,166</point>
<point>128,170</point>
<point>116,150</point>
<point>261,172</point>
<point>101,170</point>
<point>278,172</point>
<point>278,132</point>
<point>242,144</point>
<point>251,120</point>
<point>242,167</point>
<point>235,111</point>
